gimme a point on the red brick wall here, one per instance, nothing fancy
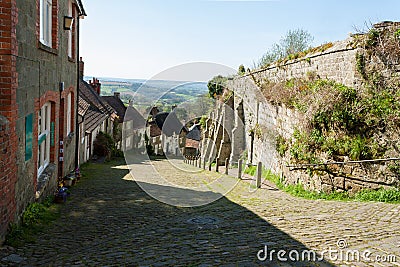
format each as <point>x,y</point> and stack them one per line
<point>7,178</point>
<point>54,30</point>
<point>8,109</point>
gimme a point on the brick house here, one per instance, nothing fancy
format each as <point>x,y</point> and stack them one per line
<point>192,142</point>
<point>38,82</point>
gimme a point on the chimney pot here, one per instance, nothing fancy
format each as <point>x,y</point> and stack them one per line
<point>117,95</point>
<point>81,68</point>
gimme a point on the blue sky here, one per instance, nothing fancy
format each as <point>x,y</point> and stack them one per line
<point>139,39</point>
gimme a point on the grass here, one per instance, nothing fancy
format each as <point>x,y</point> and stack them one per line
<point>34,220</point>
<point>381,195</point>
<point>250,170</point>
<point>298,190</point>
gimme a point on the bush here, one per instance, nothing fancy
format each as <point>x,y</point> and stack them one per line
<point>216,86</point>
<point>241,70</point>
<point>104,146</point>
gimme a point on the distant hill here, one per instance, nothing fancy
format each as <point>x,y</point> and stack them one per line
<point>161,93</point>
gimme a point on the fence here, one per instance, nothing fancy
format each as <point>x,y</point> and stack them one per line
<point>202,163</point>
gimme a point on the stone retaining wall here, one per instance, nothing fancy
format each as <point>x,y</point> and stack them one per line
<point>264,121</point>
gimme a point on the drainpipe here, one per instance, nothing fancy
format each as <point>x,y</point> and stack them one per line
<point>77,130</point>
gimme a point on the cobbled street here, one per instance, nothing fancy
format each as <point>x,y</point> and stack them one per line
<point>110,221</point>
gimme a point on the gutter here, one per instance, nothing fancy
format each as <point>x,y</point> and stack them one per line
<point>82,11</point>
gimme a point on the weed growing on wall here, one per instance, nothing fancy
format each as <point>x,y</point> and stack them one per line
<point>34,218</point>
<point>339,121</point>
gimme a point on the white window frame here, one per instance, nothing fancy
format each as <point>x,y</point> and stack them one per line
<point>69,113</point>
<point>44,122</point>
<point>70,39</point>
<point>46,21</point>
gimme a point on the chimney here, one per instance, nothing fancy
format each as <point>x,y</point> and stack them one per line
<point>117,95</point>
<point>81,68</point>
<point>96,85</point>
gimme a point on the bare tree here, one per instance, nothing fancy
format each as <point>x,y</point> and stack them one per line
<point>293,42</point>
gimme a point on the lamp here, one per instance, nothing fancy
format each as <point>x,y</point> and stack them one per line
<point>68,21</point>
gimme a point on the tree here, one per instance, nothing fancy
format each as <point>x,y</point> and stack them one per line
<point>241,70</point>
<point>216,85</point>
<point>293,42</point>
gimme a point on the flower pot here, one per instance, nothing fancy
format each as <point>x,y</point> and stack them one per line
<point>68,182</point>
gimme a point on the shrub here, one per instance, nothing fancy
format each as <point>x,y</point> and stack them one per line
<point>102,146</point>
<point>216,86</point>
<point>241,70</point>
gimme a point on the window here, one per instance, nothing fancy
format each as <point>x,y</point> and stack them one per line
<point>44,118</point>
<point>46,9</point>
<point>69,112</point>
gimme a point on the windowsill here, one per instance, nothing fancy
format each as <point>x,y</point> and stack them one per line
<point>44,178</point>
<point>48,49</point>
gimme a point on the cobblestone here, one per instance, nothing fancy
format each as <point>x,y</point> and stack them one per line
<point>110,221</point>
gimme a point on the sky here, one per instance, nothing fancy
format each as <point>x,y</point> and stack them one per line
<point>139,39</point>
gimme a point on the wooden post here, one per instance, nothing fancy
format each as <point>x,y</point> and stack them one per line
<point>259,172</point>
<point>240,166</point>
<point>204,163</point>
<point>226,166</point>
<point>199,162</point>
<point>217,167</point>
<point>209,166</point>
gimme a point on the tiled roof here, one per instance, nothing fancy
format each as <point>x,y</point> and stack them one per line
<point>169,123</point>
<point>133,115</point>
<point>117,104</point>
<point>92,107</point>
<point>89,95</point>
<point>83,106</point>
<point>194,133</point>
<point>93,118</point>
